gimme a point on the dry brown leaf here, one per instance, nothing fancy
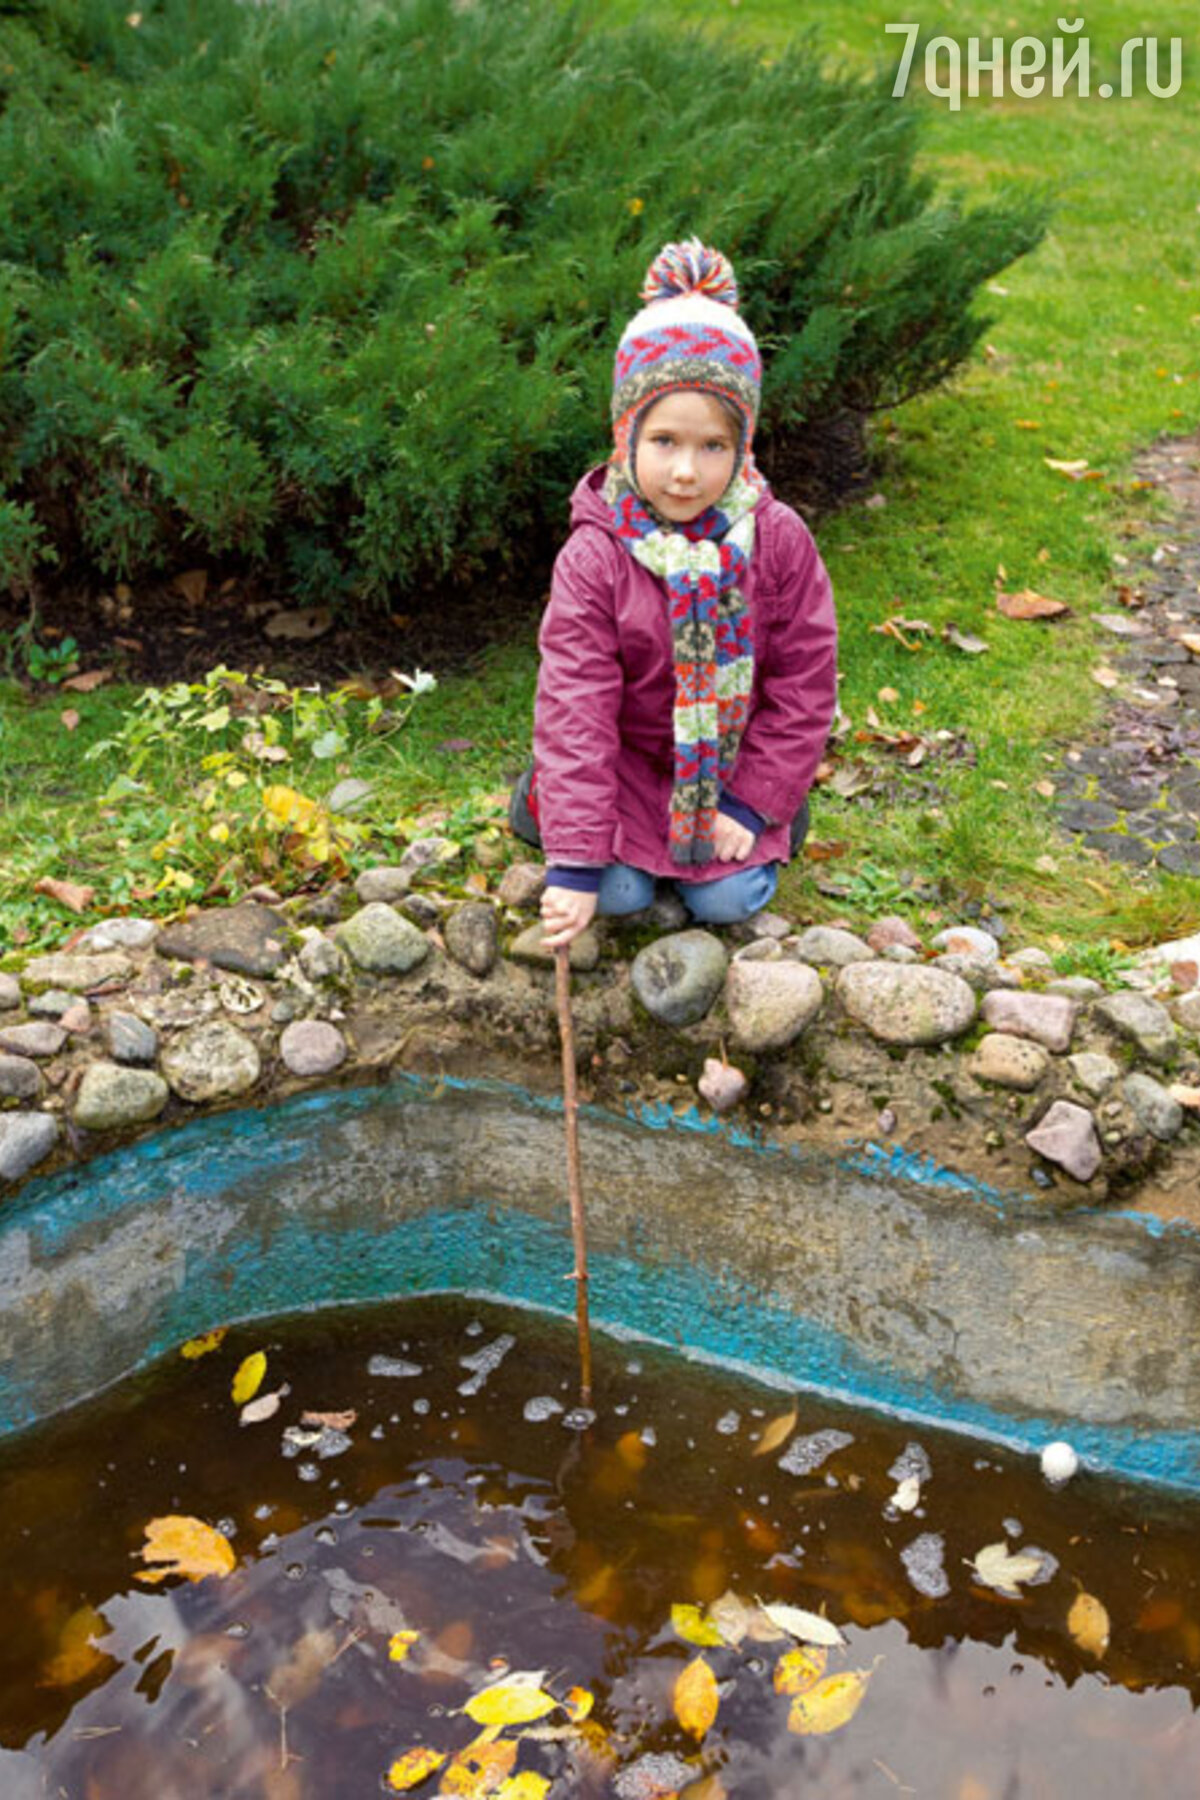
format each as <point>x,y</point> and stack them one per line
<point>69,720</point>
<point>87,682</point>
<point>695,1697</point>
<point>192,584</point>
<point>1088,1624</point>
<point>337,1421</point>
<point>887,695</point>
<point>302,623</point>
<point>776,1432</point>
<point>1025,604</point>
<point>184,1546</point>
<point>68,893</point>
<point>1190,641</point>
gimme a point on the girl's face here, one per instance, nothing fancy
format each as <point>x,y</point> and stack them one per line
<point>686,449</point>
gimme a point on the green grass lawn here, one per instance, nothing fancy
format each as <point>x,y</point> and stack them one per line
<point>1093,351</point>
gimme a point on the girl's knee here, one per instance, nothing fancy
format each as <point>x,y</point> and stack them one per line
<point>624,890</point>
<point>731,898</point>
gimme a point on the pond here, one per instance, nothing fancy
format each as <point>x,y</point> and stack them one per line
<point>416,1511</point>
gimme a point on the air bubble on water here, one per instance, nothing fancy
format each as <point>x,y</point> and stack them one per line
<point>541,1408</point>
<point>227,1527</point>
<point>756,1665</point>
<point>485,1362</point>
<point>264,1511</point>
<point>1013,1527</point>
<point>308,1471</point>
<point>633,1368</point>
<point>579,1418</point>
<point>805,1454</point>
<point>238,1629</point>
<point>270,1542</point>
<point>295,1571</point>
<point>728,1423</point>
<point>420,1407</point>
<point>395,1368</point>
<point>650,1438</point>
<point>831,1480</point>
<point>913,1461</point>
<point>342,1506</point>
<point>377,1432</point>
<point>622,1411</point>
<point>422,1479</point>
<point>476,1480</point>
<point>474,1329</point>
<point>325,1534</point>
<point>923,1561</point>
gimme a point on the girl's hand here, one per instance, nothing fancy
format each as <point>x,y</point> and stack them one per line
<point>565,913</point>
<point>731,841</point>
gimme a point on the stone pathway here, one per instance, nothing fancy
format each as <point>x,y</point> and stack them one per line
<point>1135,797</point>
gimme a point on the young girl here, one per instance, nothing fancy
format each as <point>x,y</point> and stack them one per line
<point>688,650</point>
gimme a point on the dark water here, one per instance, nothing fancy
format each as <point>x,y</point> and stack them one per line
<point>509,1539</point>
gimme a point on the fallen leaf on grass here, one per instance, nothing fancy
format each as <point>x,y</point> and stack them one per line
<point>809,1627</point>
<point>69,720</point>
<point>1073,468</point>
<point>964,641</point>
<point>776,1432</point>
<point>799,1670</point>
<point>825,850</point>
<point>479,1770</point>
<point>829,1705</point>
<point>248,1379</point>
<point>1026,604</point>
<point>203,1345</point>
<point>695,1697</point>
<point>1088,1624</point>
<point>515,1701</point>
<point>68,893</point>
<point>414,1767</point>
<point>901,629</point>
<point>184,1546</point>
<point>689,1623</point>
<point>88,682</point>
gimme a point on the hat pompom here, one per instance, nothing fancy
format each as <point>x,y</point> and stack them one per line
<point>690,268</point>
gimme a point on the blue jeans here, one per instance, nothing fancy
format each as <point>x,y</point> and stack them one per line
<point>725,901</point>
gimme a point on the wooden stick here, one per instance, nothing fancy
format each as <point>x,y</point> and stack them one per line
<point>579,1275</point>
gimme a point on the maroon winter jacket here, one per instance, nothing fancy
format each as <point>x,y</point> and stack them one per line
<point>603,740</point>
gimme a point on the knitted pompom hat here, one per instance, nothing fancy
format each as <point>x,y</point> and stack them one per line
<point>688,334</point>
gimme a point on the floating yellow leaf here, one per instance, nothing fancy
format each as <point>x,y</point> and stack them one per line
<point>689,1623</point>
<point>77,1656</point>
<point>184,1546</point>
<point>200,1346</point>
<point>709,1787</point>
<point>414,1767</point>
<point>578,1704</point>
<point>799,1670</point>
<point>1088,1624</point>
<point>248,1379</point>
<point>998,1568</point>
<point>777,1432</point>
<point>809,1627</point>
<point>695,1697</point>
<point>479,1770</point>
<point>525,1786</point>
<point>632,1450</point>
<point>829,1705</point>
<point>510,1703</point>
<point>400,1643</point>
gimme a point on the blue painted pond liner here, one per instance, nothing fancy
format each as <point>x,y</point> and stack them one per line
<point>886,1280</point>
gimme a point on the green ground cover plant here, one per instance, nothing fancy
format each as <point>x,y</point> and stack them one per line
<point>943,788</point>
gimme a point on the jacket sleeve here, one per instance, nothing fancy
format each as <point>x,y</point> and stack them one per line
<point>576,724</point>
<point>795,686</point>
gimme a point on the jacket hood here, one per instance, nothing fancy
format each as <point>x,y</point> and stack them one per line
<point>589,507</point>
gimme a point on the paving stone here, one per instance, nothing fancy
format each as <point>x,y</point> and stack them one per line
<point>422,909</point>
<point>312,1047</point>
<point>1155,1110</point>
<point>770,1003</point>
<point>1011,1062</point>
<point>473,938</point>
<point>827,946</point>
<point>130,1039</point>
<point>1087,815</point>
<point>1141,1021</point>
<point>892,930</point>
<point>911,1004</point>
<point>26,1139</point>
<point>50,1005</point>
<point>112,1098</point>
<point>383,885</point>
<point>320,958</point>
<point>213,1061</point>
<point>522,884</point>
<point>1066,1136</point>
<point>120,934</point>
<point>1049,1019</point>
<point>678,977</point>
<point>1180,859</point>
<point>20,1078</point>
<point>246,939</point>
<point>1120,848</point>
<point>968,941</point>
<point>381,942</point>
<point>38,1038</point>
<point>1094,1071</point>
<point>528,947</point>
<point>78,974</point>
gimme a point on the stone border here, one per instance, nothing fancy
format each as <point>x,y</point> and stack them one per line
<point>1020,1081</point>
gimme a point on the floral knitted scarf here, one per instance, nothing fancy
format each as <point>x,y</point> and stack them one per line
<point>703,564</point>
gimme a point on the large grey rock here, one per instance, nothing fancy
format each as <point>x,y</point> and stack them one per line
<point>1011,1062</point>
<point>39,1038</point>
<point>890,931</point>
<point>10,993</point>
<point>381,942</point>
<point>20,1079</point>
<point>320,958</point>
<point>829,947</point>
<point>678,977</point>
<point>967,940</point>
<point>522,884</point>
<point>1140,1021</point>
<point>382,885</point>
<point>111,1097</point>
<point>26,1139</point>
<point>1094,1071</point>
<point>1187,1011</point>
<point>76,974</point>
<point>770,1002</point>
<point>312,1047</point>
<point>130,1039</point>
<point>1067,1137</point>
<point>528,947</point>
<point>1048,1019</point>
<point>901,1003</point>
<point>247,939</point>
<point>212,1061</point>
<point>120,934</point>
<point>52,1004</point>
<point>472,937</point>
<point>1155,1110</point>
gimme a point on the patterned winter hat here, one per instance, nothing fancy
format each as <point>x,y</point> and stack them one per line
<point>688,334</point>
